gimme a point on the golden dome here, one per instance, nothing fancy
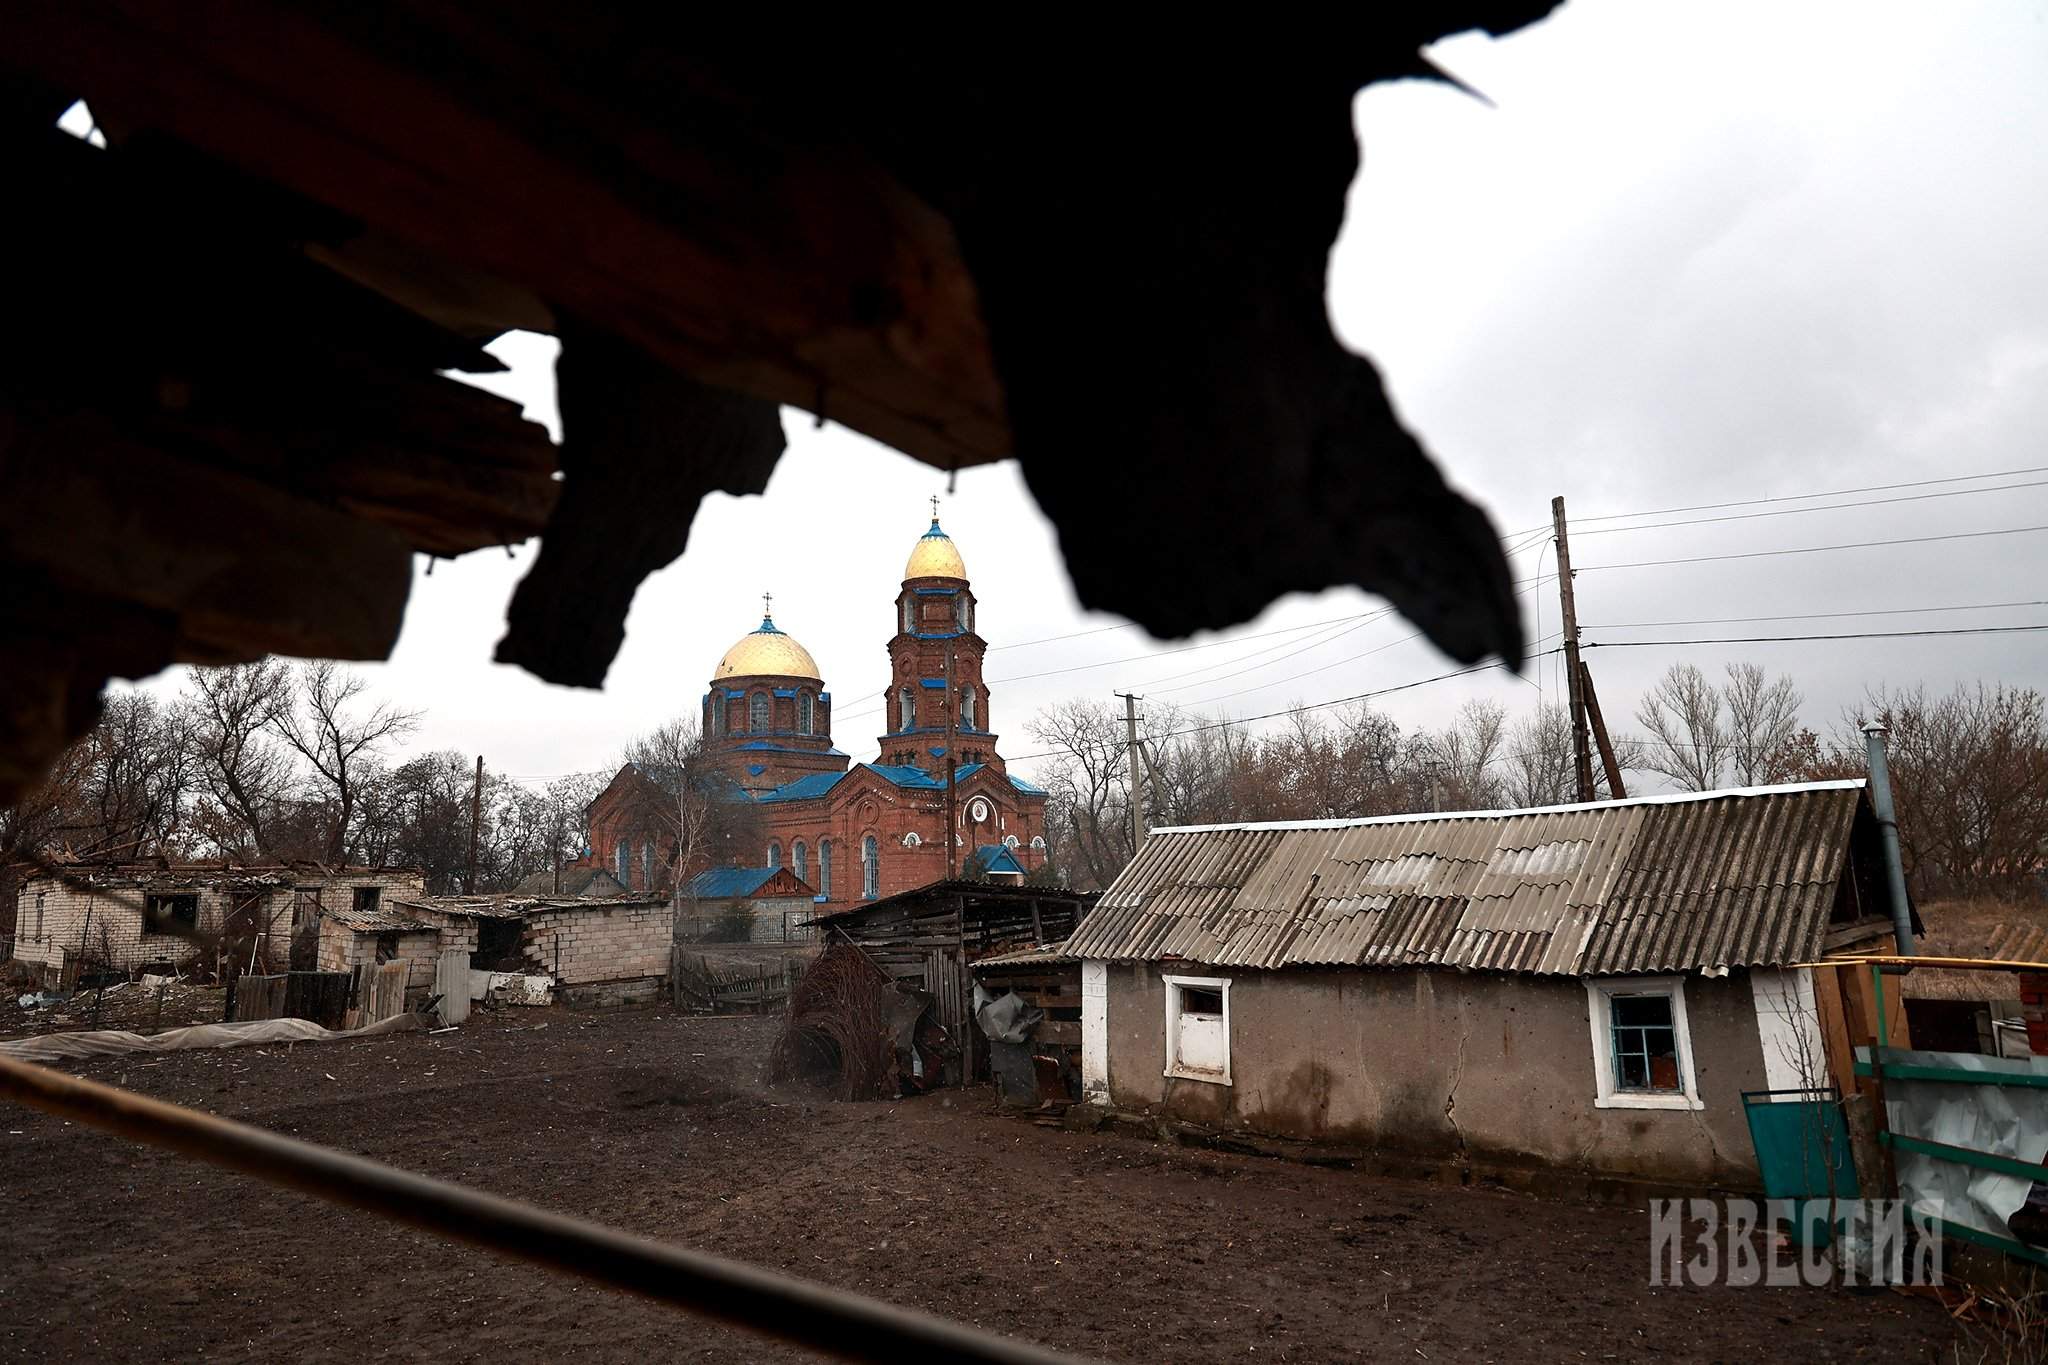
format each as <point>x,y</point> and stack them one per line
<point>767,653</point>
<point>935,557</point>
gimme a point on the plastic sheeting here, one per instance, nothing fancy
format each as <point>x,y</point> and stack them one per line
<point>1007,1018</point>
<point>2004,1120</point>
<point>54,1047</point>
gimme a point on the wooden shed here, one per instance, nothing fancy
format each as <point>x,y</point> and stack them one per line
<point>931,938</point>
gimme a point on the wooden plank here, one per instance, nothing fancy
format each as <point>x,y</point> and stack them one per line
<point>451,983</point>
<point>1058,1031</point>
<point>754,297</point>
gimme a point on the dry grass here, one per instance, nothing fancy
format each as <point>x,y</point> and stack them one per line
<point>2001,1328</point>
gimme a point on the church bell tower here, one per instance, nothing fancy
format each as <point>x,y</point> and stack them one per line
<point>935,635</point>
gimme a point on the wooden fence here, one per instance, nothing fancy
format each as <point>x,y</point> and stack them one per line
<point>696,983</point>
<point>319,996</point>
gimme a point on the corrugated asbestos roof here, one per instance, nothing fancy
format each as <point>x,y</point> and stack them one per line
<point>376,922</point>
<point>1740,878</point>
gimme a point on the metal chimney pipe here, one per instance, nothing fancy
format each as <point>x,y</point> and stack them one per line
<point>1888,829</point>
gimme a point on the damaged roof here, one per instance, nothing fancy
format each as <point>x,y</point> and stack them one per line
<point>376,922</point>
<point>163,872</point>
<point>518,907</point>
<point>1666,883</point>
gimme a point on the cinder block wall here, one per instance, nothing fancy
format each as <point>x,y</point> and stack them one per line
<point>600,942</point>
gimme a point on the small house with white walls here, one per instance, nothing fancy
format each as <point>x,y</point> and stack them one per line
<point>1591,987</point>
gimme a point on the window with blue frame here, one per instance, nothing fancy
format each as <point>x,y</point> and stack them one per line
<point>775,855</point>
<point>1645,1043</point>
<point>757,711</point>
<point>870,868</point>
<point>623,856</point>
<point>824,867</point>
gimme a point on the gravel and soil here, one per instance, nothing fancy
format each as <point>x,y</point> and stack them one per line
<point>1100,1244</point>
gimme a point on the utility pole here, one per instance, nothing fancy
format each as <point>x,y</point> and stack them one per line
<point>476,824</point>
<point>952,772</point>
<point>1137,778</point>
<point>1582,753</point>
<point>1607,760</point>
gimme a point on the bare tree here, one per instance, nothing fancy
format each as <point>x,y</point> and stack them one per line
<point>693,812</point>
<point>340,735</point>
<point>1464,753</point>
<point>1087,809</point>
<point>1763,723</point>
<point>1688,742</point>
<point>1970,775</point>
<point>1539,769</point>
<point>243,774</point>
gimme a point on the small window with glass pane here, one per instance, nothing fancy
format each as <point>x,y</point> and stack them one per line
<point>1645,1044</point>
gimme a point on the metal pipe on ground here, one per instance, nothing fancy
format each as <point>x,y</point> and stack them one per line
<point>1888,827</point>
<point>826,1320</point>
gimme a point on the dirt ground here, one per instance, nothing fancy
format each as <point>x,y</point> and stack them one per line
<point>1103,1245</point>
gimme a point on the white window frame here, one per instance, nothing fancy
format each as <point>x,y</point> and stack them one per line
<point>1600,994</point>
<point>1174,986</point>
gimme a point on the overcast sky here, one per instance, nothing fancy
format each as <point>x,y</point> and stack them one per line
<point>1694,253</point>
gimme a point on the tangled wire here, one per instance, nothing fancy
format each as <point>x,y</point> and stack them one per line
<point>839,1028</point>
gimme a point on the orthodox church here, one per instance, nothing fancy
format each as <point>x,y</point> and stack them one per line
<point>855,832</point>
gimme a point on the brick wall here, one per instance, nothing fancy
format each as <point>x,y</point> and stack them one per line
<point>343,949</point>
<point>600,943</point>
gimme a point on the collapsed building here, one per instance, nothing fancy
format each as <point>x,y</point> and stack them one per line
<point>89,916</point>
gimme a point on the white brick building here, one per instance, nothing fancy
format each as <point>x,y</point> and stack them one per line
<point>122,916</point>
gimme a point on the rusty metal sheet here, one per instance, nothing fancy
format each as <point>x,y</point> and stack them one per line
<point>1665,883</point>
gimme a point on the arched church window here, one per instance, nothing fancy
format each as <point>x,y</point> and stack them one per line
<point>624,859</point>
<point>909,614</point>
<point>870,867</point>
<point>906,709</point>
<point>825,867</point>
<point>805,717</point>
<point>967,708</point>
<point>800,861</point>
<point>775,855</point>
<point>966,612</point>
<point>647,866</point>
<point>712,706</point>
<point>960,611</point>
<point>757,711</point>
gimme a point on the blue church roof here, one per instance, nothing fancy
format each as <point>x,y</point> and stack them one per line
<point>728,883</point>
<point>995,858</point>
<point>805,788</point>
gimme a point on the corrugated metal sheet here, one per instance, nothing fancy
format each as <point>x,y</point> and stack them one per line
<point>1743,878</point>
<point>376,922</point>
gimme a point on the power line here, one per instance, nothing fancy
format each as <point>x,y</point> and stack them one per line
<point>1324,705</point>
<point>1071,635</point>
<point>1801,497</point>
<point>1793,639</point>
<point>1360,617</point>
<point>1225,677</point>
<point>1812,549</point>
<point>1810,616</point>
<point>1823,507</point>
